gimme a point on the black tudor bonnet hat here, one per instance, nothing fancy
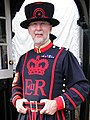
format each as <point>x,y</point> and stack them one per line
<point>39,11</point>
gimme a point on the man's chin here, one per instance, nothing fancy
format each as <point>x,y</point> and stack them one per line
<point>39,40</point>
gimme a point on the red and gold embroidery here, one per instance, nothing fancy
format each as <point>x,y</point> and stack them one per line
<point>37,66</point>
<point>33,88</point>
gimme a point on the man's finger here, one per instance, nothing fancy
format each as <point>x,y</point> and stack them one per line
<point>43,111</point>
<point>43,100</point>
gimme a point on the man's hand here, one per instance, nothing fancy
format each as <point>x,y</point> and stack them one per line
<point>19,106</point>
<point>50,107</point>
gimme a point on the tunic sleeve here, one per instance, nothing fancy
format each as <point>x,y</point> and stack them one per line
<point>77,86</point>
<point>17,82</point>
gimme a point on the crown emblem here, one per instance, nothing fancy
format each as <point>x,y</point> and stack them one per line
<point>37,66</point>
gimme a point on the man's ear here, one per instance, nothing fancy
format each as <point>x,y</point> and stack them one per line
<point>50,28</point>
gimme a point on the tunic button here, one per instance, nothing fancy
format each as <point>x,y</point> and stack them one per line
<point>53,46</point>
<point>64,85</point>
<point>63,90</point>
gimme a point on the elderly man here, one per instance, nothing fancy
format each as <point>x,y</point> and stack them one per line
<point>48,80</point>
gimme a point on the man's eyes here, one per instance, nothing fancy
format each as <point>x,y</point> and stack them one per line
<point>43,23</point>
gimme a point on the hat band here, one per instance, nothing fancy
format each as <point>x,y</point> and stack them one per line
<point>39,17</point>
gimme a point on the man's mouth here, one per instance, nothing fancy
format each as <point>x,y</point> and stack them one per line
<point>38,33</point>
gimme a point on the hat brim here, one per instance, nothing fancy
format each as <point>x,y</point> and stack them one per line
<point>52,21</point>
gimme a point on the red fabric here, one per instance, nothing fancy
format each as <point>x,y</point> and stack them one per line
<point>60,104</point>
<point>44,49</point>
<point>69,98</point>
<point>33,115</point>
<point>80,95</point>
<point>63,115</point>
<point>14,100</point>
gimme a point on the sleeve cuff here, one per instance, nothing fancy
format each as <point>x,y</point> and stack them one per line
<point>14,100</point>
<point>60,102</point>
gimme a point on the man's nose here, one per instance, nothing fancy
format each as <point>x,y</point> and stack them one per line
<point>39,26</point>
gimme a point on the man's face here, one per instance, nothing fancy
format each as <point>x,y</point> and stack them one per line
<point>40,31</point>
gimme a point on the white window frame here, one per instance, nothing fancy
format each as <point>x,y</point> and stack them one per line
<point>7,73</point>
